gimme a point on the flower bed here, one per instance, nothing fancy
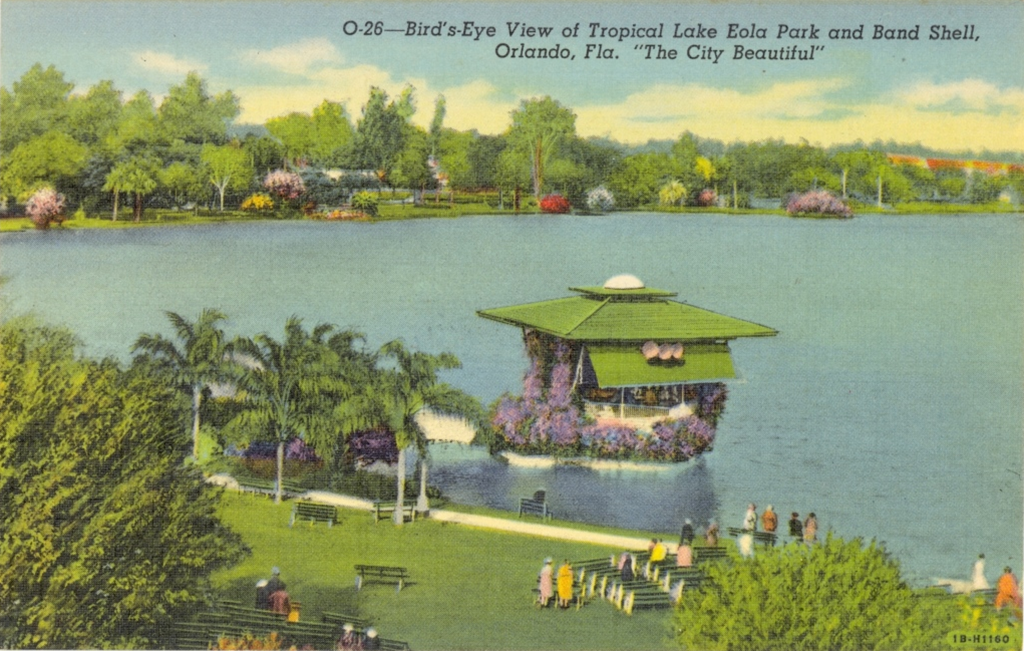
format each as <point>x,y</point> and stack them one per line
<point>548,418</point>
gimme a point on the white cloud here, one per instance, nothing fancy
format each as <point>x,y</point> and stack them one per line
<point>167,64</point>
<point>969,94</point>
<point>297,58</point>
<point>966,114</point>
<point>808,109</point>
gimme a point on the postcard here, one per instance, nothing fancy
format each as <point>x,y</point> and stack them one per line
<point>498,325</point>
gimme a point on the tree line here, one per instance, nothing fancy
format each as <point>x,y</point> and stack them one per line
<point>98,148</point>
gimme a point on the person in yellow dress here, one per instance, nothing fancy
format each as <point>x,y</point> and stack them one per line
<point>659,552</point>
<point>564,584</point>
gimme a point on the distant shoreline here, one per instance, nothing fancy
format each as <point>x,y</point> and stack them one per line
<point>402,213</point>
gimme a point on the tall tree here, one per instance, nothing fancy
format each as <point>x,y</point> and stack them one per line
<point>380,134</point>
<point>105,538</point>
<point>538,127</point>
<point>53,158</point>
<point>138,129</point>
<point>411,169</point>
<point>36,104</point>
<point>296,134</point>
<point>191,114</point>
<point>288,387</point>
<point>227,167</point>
<point>195,362</point>
<point>406,385</point>
<point>139,176</point>
<point>334,134</point>
<point>184,182</point>
<point>437,123</point>
<point>94,116</point>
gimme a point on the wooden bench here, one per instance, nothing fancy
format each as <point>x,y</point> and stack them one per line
<point>531,506</point>
<point>393,645</point>
<point>268,487</point>
<point>706,554</point>
<point>637,600</point>
<point>381,574</point>
<point>383,510</point>
<point>762,537</point>
<point>340,619</point>
<point>314,513</point>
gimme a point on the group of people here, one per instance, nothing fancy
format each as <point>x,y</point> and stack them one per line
<point>549,581</point>
<point>806,530</point>
<point>351,640</point>
<point>687,534</point>
<point>271,594</point>
<point>1007,587</point>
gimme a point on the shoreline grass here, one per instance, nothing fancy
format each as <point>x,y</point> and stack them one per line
<point>444,210</point>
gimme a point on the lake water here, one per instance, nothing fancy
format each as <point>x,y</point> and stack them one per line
<point>890,403</point>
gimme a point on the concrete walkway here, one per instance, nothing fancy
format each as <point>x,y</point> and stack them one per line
<point>470,520</point>
<point>497,524</point>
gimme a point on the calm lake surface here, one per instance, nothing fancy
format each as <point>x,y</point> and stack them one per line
<point>890,403</point>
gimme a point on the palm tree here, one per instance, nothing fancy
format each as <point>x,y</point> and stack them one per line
<point>289,388</point>
<point>199,361</point>
<point>404,387</point>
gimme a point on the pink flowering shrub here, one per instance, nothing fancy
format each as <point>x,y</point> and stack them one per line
<point>548,417</point>
<point>707,198</point>
<point>818,202</point>
<point>287,185</point>
<point>554,203</point>
<point>45,207</point>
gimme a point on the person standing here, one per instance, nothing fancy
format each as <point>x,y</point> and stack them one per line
<point>275,583</point>
<point>1007,590</point>
<point>811,529</point>
<point>684,555</point>
<point>978,580</point>
<point>769,521</point>
<point>750,518</point>
<point>547,589</point>
<point>711,535</point>
<point>796,528</point>
<point>262,596</point>
<point>686,535</point>
<point>564,584</point>
<point>628,569</point>
<point>659,552</point>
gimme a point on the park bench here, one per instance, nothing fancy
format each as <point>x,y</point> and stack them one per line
<point>530,506</point>
<point>762,537</point>
<point>638,600</point>
<point>381,574</point>
<point>706,554</point>
<point>383,510</point>
<point>340,619</point>
<point>314,513</point>
<point>393,645</point>
<point>268,487</point>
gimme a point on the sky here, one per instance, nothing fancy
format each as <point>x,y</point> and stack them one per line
<point>281,56</point>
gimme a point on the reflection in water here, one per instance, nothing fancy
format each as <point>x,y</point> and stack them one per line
<point>649,501</point>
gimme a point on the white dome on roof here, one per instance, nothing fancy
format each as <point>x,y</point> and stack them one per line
<point>624,281</point>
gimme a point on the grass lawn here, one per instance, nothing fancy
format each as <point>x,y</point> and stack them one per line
<point>471,588</point>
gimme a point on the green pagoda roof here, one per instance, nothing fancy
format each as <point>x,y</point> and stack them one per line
<point>625,310</point>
